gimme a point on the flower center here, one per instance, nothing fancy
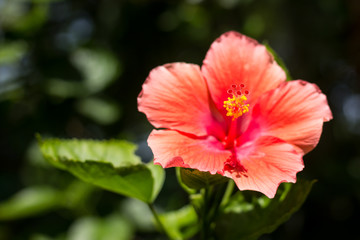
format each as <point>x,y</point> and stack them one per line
<point>235,105</point>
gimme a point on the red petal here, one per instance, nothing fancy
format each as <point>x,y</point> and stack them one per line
<point>175,96</point>
<point>173,149</point>
<point>237,59</point>
<point>294,112</point>
<point>265,164</point>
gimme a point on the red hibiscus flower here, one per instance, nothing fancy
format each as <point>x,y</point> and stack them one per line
<point>236,116</point>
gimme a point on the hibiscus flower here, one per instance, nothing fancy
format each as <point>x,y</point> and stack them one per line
<point>236,115</point>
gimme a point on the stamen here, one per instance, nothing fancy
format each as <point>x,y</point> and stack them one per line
<point>235,105</point>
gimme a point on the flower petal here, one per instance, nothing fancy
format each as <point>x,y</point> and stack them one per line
<point>265,164</point>
<point>237,59</point>
<point>174,149</point>
<point>175,96</point>
<point>294,112</point>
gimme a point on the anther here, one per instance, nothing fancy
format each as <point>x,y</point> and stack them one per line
<point>235,105</point>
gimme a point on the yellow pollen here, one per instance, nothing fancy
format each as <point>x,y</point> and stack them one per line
<point>236,106</point>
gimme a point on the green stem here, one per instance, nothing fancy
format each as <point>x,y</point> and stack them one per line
<point>205,222</point>
<point>158,221</point>
<point>186,188</point>
<point>227,194</point>
<point>214,197</point>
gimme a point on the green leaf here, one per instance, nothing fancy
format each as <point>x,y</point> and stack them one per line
<point>65,89</point>
<point>180,224</point>
<point>31,21</point>
<point>111,165</point>
<point>113,227</point>
<point>196,179</point>
<point>158,174</point>
<point>103,112</point>
<point>17,16</point>
<point>30,202</point>
<point>138,214</point>
<point>12,52</point>
<point>279,60</point>
<point>242,219</point>
<point>116,152</point>
<point>36,200</point>
<point>99,68</point>
<point>77,196</point>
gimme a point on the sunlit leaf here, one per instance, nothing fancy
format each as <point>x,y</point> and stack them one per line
<point>117,152</point>
<point>32,20</point>
<point>76,196</point>
<point>99,68</point>
<point>158,175</point>
<point>40,236</point>
<point>65,89</point>
<point>180,224</point>
<point>103,112</point>
<point>36,200</point>
<point>113,227</point>
<point>139,214</point>
<point>12,52</point>
<point>16,15</point>
<point>11,11</point>
<point>249,220</point>
<point>111,165</point>
<point>30,202</point>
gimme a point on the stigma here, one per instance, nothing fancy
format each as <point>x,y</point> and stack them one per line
<point>236,104</point>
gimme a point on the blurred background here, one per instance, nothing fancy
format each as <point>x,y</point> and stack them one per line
<point>74,69</point>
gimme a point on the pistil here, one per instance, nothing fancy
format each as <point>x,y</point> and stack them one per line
<point>236,107</point>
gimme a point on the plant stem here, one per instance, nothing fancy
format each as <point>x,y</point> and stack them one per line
<point>214,197</point>
<point>204,217</point>
<point>186,188</point>
<point>158,221</point>
<point>227,194</point>
<point>207,213</point>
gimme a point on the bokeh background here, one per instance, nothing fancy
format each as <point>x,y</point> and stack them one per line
<point>74,69</point>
